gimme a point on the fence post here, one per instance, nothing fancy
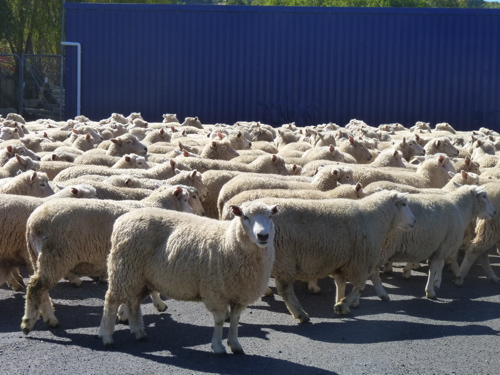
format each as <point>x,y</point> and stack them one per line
<point>21,84</point>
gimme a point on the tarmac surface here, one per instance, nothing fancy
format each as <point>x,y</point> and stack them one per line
<point>458,333</point>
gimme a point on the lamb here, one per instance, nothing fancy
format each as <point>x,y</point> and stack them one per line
<point>15,211</point>
<point>28,183</point>
<point>346,242</point>
<point>326,179</point>
<point>85,245</point>
<point>224,264</point>
<point>439,232</point>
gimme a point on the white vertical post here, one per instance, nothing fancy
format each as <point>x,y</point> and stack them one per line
<point>78,73</point>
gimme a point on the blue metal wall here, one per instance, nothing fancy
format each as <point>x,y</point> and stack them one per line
<point>282,64</point>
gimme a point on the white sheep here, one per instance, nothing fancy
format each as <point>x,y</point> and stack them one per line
<point>32,183</point>
<point>327,178</point>
<point>226,265</point>
<point>356,149</point>
<point>131,161</point>
<point>441,145</point>
<point>14,212</point>
<point>344,240</point>
<point>84,247</point>
<point>439,231</point>
<point>9,151</point>
<point>18,163</point>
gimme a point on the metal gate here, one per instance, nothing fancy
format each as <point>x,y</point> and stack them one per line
<point>32,86</point>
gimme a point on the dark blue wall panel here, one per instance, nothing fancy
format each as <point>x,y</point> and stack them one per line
<point>283,64</point>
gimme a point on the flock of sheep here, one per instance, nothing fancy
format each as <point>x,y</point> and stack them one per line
<point>201,212</point>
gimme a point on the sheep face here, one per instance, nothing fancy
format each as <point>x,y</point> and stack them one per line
<point>486,209</point>
<point>406,220</point>
<point>256,219</point>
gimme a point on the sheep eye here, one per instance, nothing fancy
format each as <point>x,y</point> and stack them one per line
<point>245,217</point>
<point>403,204</point>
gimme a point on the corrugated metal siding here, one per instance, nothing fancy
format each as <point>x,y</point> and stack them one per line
<point>284,64</point>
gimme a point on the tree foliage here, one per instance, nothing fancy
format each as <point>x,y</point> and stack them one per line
<point>35,26</point>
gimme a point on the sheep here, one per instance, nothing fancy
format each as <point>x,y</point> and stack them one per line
<point>263,164</point>
<point>409,147</point>
<point>161,171</point>
<point>9,151</point>
<point>53,167</point>
<point>355,148</point>
<point>220,150</point>
<point>389,157</point>
<point>85,245</point>
<point>441,145</point>
<point>131,161</point>
<point>345,242</point>
<point>320,153</point>
<point>486,238</point>
<point>126,144</point>
<point>18,163</point>
<point>32,183</point>
<point>439,231</point>
<point>97,157</point>
<point>326,179</point>
<point>444,126</point>
<point>431,173</point>
<point>14,212</point>
<point>157,135</point>
<point>129,181</point>
<point>224,264</point>
<point>170,117</point>
<point>192,121</point>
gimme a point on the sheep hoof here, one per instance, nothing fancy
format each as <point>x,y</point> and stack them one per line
<point>430,295</point>
<point>161,307</point>
<point>385,297</point>
<point>459,281</point>
<point>108,343</point>
<point>52,322</point>
<point>140,335</point>
<point>27,325</point>
<point>268,292</point>
<point>304,318</point>
<point>237,351</point>
<point>495,280</point>
<point>341,309</point>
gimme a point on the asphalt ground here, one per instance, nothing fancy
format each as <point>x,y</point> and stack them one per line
<point>458,333</point>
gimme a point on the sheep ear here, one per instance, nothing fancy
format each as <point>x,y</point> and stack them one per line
<point>358,186</point>
<point>441,159</point>
<point>33,176</point>
<point>275,209</point>
<point>19,159</point>
<point>417,137</point>
<point>172,163</point>
<point>464,175</point>
<point>395,154</point>
<point>53,157</point>
<point>332,148</point>
<point>114,140</point>
<point>74,191</point>
<point>128,159</point>
<point>185,153</point>
<point>236,210</point>
<point>467,160</point>
<point>274,157</point>
<point>220,135</point>
<point>177,192</point>
<point>193,173</point>
<point>177,171</point>
<point>9,149</point>
<point>351,139</point>
<point>214,145</point>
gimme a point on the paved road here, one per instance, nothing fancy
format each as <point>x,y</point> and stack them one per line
<point>456,334</point>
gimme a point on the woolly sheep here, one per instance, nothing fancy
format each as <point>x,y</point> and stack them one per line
<point>327,178</point>
<point>97,157</point>
<point>346,242</point>
<point>195,248</point>
<point>431,173</point>
<point>486,239</point>
<point>14,212</point>
<point>441,145</point>
<point>85,245</point>
<point>439,230</point>
<point>9,151</point>
<point>263,164</point>
<point>126,144</point>
<point>131,161</point>
<point>32,183</point>
<point>389,157</point>
<point>161,171</point>
<point>355,148</point>
<point>220,150</point>
<point>18,163</point>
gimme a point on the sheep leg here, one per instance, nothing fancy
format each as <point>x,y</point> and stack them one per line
<point>219,318</point>
<point>388,268</point>
<point>135,320</point>
<point>435,265</point>
<point>232,337</point>
<point>108,320</point>
<point>313,287</point>
<point>342,307</point>
<point>340,285</point>
<point>157,302</point>
<point>379,288</point>
<point>15,280</point>
<point>485,264</point>
<point>4,275</point>
<point>34,300</point>
<point>468,261</point>
<point>453,263</point>
<point>47,309</point>
<point>285,290</point>
<point>74,279</point>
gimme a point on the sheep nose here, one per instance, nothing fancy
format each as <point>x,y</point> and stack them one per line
<point>145,149</point>
<point>263,237</point>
